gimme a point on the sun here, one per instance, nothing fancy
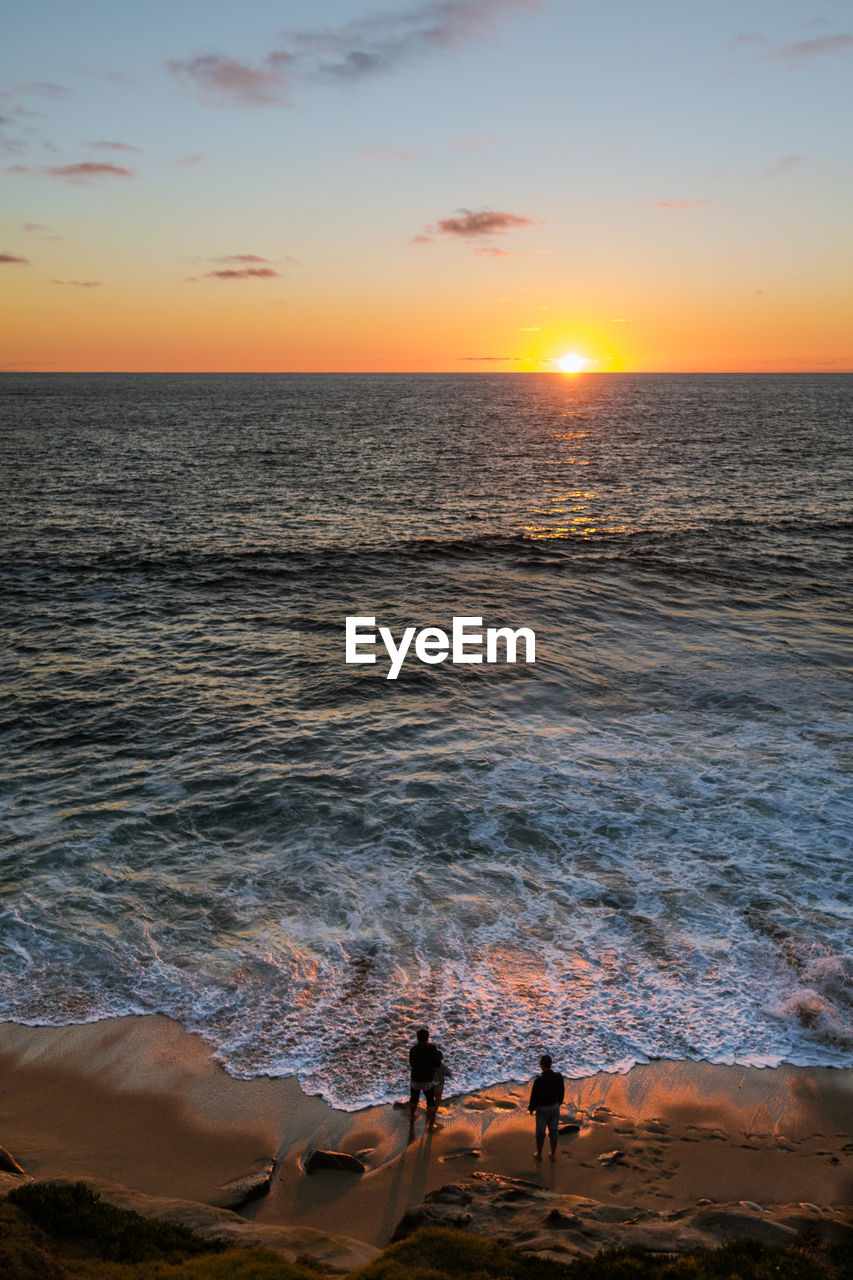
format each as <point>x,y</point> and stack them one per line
<point>572,363</point>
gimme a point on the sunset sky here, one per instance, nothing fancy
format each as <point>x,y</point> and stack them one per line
<point>436,185</point>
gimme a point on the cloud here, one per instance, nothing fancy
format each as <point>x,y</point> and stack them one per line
<point>34,226</point>
<point>80,284</point>
<point>482,222</point>
<point>18,168</point>
<point>190,159</point>
<point>44,89</point>
<point>375,44</point>
<point>483,359</point>
<point>229,81</point>
<point>14,259</point>
<point>782,166</point>
<point>682,204</point>
<point>477,225</point>
<point>114,146</point>
<point>479,143</point>
<point>87,169</point>
<point>823,45</point>
<point>748,38</point>
<point>239,257</point>
<point>798,52</point>
<point>385,153</point>
<point>243,273</point>
<point>380,42</point>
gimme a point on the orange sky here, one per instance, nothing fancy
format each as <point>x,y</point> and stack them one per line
<point>486,185</point>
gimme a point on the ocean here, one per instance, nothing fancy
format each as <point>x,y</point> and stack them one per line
<point>638,846</point>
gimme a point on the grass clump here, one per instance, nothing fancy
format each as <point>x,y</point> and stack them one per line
<point>75,1214</point>
<point>435,1253</point>
<point>24,1250</point>
<point>742,1260</point>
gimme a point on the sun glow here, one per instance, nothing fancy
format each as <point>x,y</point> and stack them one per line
<point>572,363</point>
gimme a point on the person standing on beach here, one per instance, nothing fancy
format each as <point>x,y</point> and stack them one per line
<point>424,1058</point>
<point>545,1098</point>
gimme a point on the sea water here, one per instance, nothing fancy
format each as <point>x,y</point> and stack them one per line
<point>638,846</point>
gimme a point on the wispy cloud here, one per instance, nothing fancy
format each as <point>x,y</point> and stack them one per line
<point>114,146</point>
<point>782,166</point>
<point>86,170</point>
<point>13,260</point>
<point>43,89</point>
<point>240,257</point>
<point>803,50</point>
<point>682,204</point>
<point>80,284</point>
<point>228,81</point>
<point>240,273</point>
<point>190,159</point>
<point>477,226</point>
<point>377,43</point>
<point>243,266</point>
<point>385,153</point>
<point>380,42</point>
<point>797,53</point>
<point>481,222</point>
<point>34,226</point>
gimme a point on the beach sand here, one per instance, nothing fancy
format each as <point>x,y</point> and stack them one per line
<point>139,1103</point>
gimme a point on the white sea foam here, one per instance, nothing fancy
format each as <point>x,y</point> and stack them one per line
<point>640,847</point>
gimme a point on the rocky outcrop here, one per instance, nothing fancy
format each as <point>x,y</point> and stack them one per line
<point>340,1160</point>
<point>545,1222</point>
<point>332,1252</point>
<point>8,1163</point>
<point>233,1195</point>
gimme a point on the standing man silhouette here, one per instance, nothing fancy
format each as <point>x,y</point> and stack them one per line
<point>424,1057</point>
<point>545,1097</point>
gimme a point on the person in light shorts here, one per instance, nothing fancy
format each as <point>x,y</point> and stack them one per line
<point>546,1097</point>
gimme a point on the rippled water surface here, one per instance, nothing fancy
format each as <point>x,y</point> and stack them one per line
<point>640,846</point>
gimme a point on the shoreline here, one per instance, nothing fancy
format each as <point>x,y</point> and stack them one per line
<point>139,1103</point>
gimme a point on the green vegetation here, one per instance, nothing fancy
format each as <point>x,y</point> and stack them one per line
<point>436,1254</point>
<point>66,1233</point>
<point>76,1214</point>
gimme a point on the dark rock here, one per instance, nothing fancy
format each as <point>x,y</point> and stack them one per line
<point>473,1153</point>
<point>556,1220</point>
<point>569,1126</point>
<point>449,1194</point>
<point>8,1163</point>
<point>504,1180</point>
<point>610,1157</point>
<point>242,1190</point>
<point>341,1160</point>
<point>429,1215</point>
<point>513,1195</point>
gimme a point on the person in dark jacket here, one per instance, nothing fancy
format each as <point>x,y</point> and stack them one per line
<point>545,1098</point>
<point>424,1057</point>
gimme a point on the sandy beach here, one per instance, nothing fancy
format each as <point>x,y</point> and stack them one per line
<point>138,1107</point>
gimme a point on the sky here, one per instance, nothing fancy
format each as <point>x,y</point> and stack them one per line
<point>441,185</point>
